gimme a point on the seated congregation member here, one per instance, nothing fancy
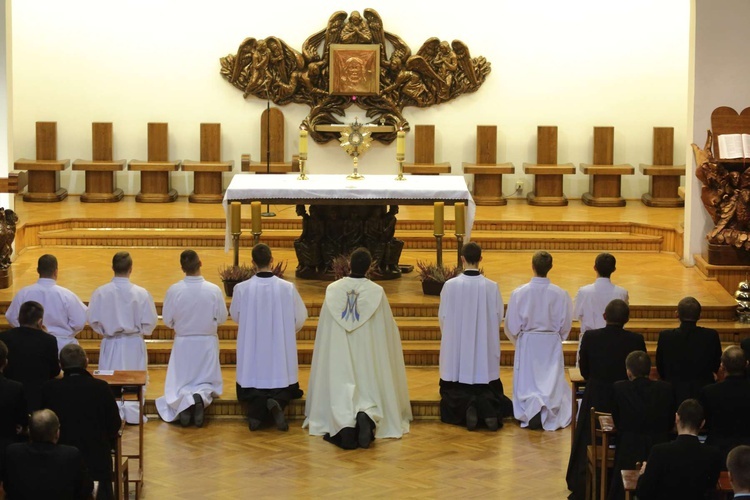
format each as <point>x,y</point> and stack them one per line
<point>727,404</point>
<point>44,469</point>
<point>194,308</point>
<point>470,313</point>
<point>537,321</point>
<point>591,300</point>
<point>688,357</point>
<point>13,412</point>
<point>357,388</point>
<point>602,362</point>
<point>745,344</point>
<point>738,465</point>
<point>32,353</point>
<point>88,413</point>
<point>269,312</point>
<point>64,313</point>
<point>122,313</point>
<point>643,413</point>
<point>683,468</point>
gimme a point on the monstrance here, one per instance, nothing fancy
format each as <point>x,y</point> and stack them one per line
<point>355,139</point>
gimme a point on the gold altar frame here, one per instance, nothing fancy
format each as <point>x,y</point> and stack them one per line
<point>354,69</point>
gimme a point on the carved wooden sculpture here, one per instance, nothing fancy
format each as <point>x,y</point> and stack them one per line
<point>271,69</point>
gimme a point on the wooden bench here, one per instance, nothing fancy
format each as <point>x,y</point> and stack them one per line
<point>630,481</point>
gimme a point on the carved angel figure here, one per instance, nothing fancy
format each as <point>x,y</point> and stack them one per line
<point>8,221</point>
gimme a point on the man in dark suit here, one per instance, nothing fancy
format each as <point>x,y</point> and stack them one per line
<point>683,468</point>
<point>602,363</point>
<point>42,468</point>
<point>89,417</point>
<point>32,353</point>
<point>738,464</point>
<point>688,357</point>
<point>13,416</point>
<point>643,412</point>
<point>727,404</point>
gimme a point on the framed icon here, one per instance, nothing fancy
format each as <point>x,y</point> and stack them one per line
<point>354,69</point>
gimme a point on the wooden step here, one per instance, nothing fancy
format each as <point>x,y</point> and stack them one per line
<point>413,239</point>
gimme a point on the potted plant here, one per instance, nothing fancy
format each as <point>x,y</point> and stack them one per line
<point>231,275</point>
<point>433,277</point>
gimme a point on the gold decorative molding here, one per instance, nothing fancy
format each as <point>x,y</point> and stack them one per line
<point>354,61</point>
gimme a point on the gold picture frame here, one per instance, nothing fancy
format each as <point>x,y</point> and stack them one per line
<point>354,69</point>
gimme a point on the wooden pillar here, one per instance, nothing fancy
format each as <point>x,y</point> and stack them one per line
<point>207,181</point>
<point>488,175</point>
<point>100,172</point>
<point>664,177</point>
<point>605,178</point>
<point>155,187</point>
<point>548,175</point>
<point>44,172</point>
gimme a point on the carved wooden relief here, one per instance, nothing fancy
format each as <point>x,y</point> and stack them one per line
<point>354,61</point>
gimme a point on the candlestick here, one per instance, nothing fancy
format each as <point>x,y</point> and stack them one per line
<point>235,217</point>
<point>460,209</point>
<point>439,208</point>
<point>459,249</point>
<point>236,245</point>
<point>255,214</point>
<point>439,248</point>
<point>303,142</point>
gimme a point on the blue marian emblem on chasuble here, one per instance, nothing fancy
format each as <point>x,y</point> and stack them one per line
<point>350,311</point>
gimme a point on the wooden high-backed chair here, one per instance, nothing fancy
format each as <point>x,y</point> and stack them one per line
<point>600,459</point>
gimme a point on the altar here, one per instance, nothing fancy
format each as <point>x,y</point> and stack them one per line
<point>348,213</point>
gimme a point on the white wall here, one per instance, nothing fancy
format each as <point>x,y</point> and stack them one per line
<point>721,78</point>
<point>573,64</point>
<point>6,149</point>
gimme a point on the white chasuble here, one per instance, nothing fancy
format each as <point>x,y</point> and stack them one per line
<point>358,363</point>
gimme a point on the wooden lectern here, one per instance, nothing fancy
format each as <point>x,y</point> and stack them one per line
<point>605,180</point>
<point>155,171</point>
<point>44,172</point>
<point>100,172</point>
<point>271,140</point>
<point>664,178</point>
<point>548,175</point>
<point>424,153</point>
<point>488,174</point>
<point>207,181</point>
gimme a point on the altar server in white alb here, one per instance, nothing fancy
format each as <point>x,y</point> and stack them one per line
<point>591,300</point>
<point>64,313</point>
<point>194,308</point>
<point>357,388</point>
<point>269,312</point>
<point>122,313</point>
<point>538,319</point>
<point>471,309</point>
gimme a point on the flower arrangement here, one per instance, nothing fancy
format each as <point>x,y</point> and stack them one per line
<point>433,277</point>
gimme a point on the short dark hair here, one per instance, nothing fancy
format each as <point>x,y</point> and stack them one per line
<point>3,353</point>
<point>542,263</point>
<point>43,426</point>
<point>733,360</point>
<point>261,255</point>
<point>73,356</point>
<point>472,252</point>
<point>190,261</point>
<point>46,265</point>
<point>30,313</point>
<point>122,263</point>
<point>691,414</point>
<point>360,261</point>
<point>738,465</point>
<point>617,312</point>
<point>639,364</point>
<point>689,309</point>
<point>605,264</point>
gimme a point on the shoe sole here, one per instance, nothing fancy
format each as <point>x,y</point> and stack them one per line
<point>471,418</point>
<point>198,412</point>
<point>364,438</point>
<point>278,415</point>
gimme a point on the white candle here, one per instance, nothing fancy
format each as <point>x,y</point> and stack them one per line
<point>303,142</point>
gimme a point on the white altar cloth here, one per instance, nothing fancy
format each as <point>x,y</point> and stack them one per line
<point>334,189</point>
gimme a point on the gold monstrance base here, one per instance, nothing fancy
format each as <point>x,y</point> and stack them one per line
<point>354,176</point>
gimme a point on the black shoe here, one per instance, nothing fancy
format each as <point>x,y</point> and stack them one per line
<point>492,423</point>
<point>364,432</point>
<point>471,418</point>
<point>278,414</point>
<point>185,416</point>
<point>535,423</point>
<point>254,424</point>
<point>198,412</point>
